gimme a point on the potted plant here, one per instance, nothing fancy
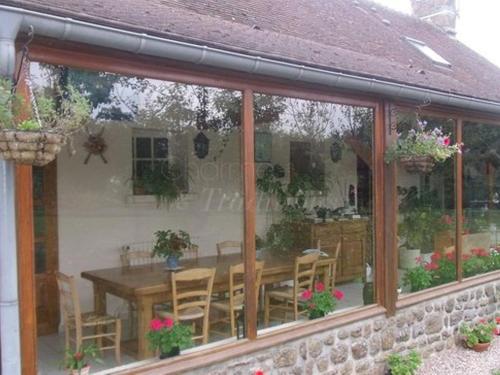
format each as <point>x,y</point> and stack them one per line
<point>37,139</point>
<point>478,336</point>
<point>320,301</point>
<point>417,278</point>
<point>163,181</point>
<point>170,244</point>
<point>404,364</point>
<point>421,149</point>
<point>169,338</point>
<point>77,361</point>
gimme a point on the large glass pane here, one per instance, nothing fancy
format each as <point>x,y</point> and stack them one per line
<point>168,180</point>
<point>314,208</point>
<point>426,213</point>
<point>481,199</point>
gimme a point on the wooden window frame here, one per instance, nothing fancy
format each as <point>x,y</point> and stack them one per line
<point>100,59</point>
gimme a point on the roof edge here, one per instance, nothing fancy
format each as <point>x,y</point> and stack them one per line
<point>69,29</point>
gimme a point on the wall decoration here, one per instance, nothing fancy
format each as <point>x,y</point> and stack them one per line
<point>95,145</point>
<point>201,145</point>
<point>263,147</point>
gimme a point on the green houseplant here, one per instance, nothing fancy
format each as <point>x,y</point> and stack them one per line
<point>36,138</point>
<point>77,361</point>
<point>163,181</point>
<point>478,336</point>
<point>170,244</point>
<point>404,364</point>
<point>420,149</point>
<point>168,337</point>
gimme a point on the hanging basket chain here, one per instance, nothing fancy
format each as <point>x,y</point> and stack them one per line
<point>34,104</point>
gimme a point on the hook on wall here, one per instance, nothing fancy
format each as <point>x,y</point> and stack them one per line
<point>24,56</point>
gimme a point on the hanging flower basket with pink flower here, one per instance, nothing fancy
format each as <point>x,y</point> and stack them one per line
<point>169,338</point>
<point>421,149</point>
<point>320,301</point>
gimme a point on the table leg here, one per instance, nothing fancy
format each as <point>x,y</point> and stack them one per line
<point>144,317</point>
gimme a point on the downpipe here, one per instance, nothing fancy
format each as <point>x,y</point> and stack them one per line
<point>9,302</point>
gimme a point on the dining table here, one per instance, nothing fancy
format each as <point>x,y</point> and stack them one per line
<point>149,285</point>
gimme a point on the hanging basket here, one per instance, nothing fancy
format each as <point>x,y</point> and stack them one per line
<point>36,148</point>
<point>417,164</point>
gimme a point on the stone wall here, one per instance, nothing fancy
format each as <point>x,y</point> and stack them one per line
<point>362,347</point>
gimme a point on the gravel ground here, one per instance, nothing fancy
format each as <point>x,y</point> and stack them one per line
<point>460,361</point>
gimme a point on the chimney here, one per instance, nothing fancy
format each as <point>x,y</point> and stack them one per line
<point>442,13</point>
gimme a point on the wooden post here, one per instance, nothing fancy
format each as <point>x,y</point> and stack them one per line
<point>459,201</point>
<point>249,215</point>
<point>390,216</point>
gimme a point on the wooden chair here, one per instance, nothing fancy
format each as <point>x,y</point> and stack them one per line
<point>288,296</point>
<point>191,294</point>
<point>331,268</point>
<point>235,303</point>
<point>229,247</point>
<point>138,254</point>
<point>75,321</point>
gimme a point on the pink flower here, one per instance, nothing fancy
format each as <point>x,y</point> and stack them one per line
<point>446,141</point>
<point>156,325</point>
<point>450,256</point>
<point>435,256</point>
<point>480,252</point>
<point>418,260</point>
<point>338,294</point>
<point>259,372</point>
<point>431,266</point>
<point>169,322</point>
<point>497,319</point>
<point>320,287</point>
<point>306,295</point>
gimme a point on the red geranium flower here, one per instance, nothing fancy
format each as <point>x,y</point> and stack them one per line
<point>78,356</point>
<point>465,256</point>
<point>446,141</point>
<point>431,266</point>
<point>259,372</point>
<point>169,322</point>
<point>435,256</point>
<point>338,294</point>
<point>156,325</point>
<point>450,255</point>
<point>497,319</point>
<point>306,295</point>
<point>418,260</point>
<point>320,287</point>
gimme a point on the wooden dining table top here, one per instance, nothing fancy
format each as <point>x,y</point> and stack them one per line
<point>154,278</point>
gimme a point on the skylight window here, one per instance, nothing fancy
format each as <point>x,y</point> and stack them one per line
<point>429,52</point>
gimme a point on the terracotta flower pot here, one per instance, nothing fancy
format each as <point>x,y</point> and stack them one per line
<point>481,347</point>
<point>84,371</point>
<point>417,164</point>
<point>35,148</point>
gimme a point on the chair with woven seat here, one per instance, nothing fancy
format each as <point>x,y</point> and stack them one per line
<point>234,304</point>
<point>229,247</point>
<point>286,298</point>
<point>106,327</point>
<point>191,294</point>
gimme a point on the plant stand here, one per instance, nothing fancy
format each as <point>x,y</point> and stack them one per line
<point>36,148</point>
<point>417,164</point>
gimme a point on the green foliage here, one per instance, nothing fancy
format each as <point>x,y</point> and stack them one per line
<point>417,278</point>
<point>422,142</point>
<point>280,237</point>
<point>479,333</point>
<point>421,220</point>
<point>404,365</point>
<point>165,336</point>
<point>60,111</point>
<point>77,360</point>
<point>164,182</point>
<point>170,243</point>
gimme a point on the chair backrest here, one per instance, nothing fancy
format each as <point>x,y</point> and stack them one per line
<point>237,283</point>
<point>138,254</point>
<point>229,247</point>
<point>192,288</point>
<point>333,266</point>
<point>70,302</point>
<point>191,252</point>
<point>305,269</point>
